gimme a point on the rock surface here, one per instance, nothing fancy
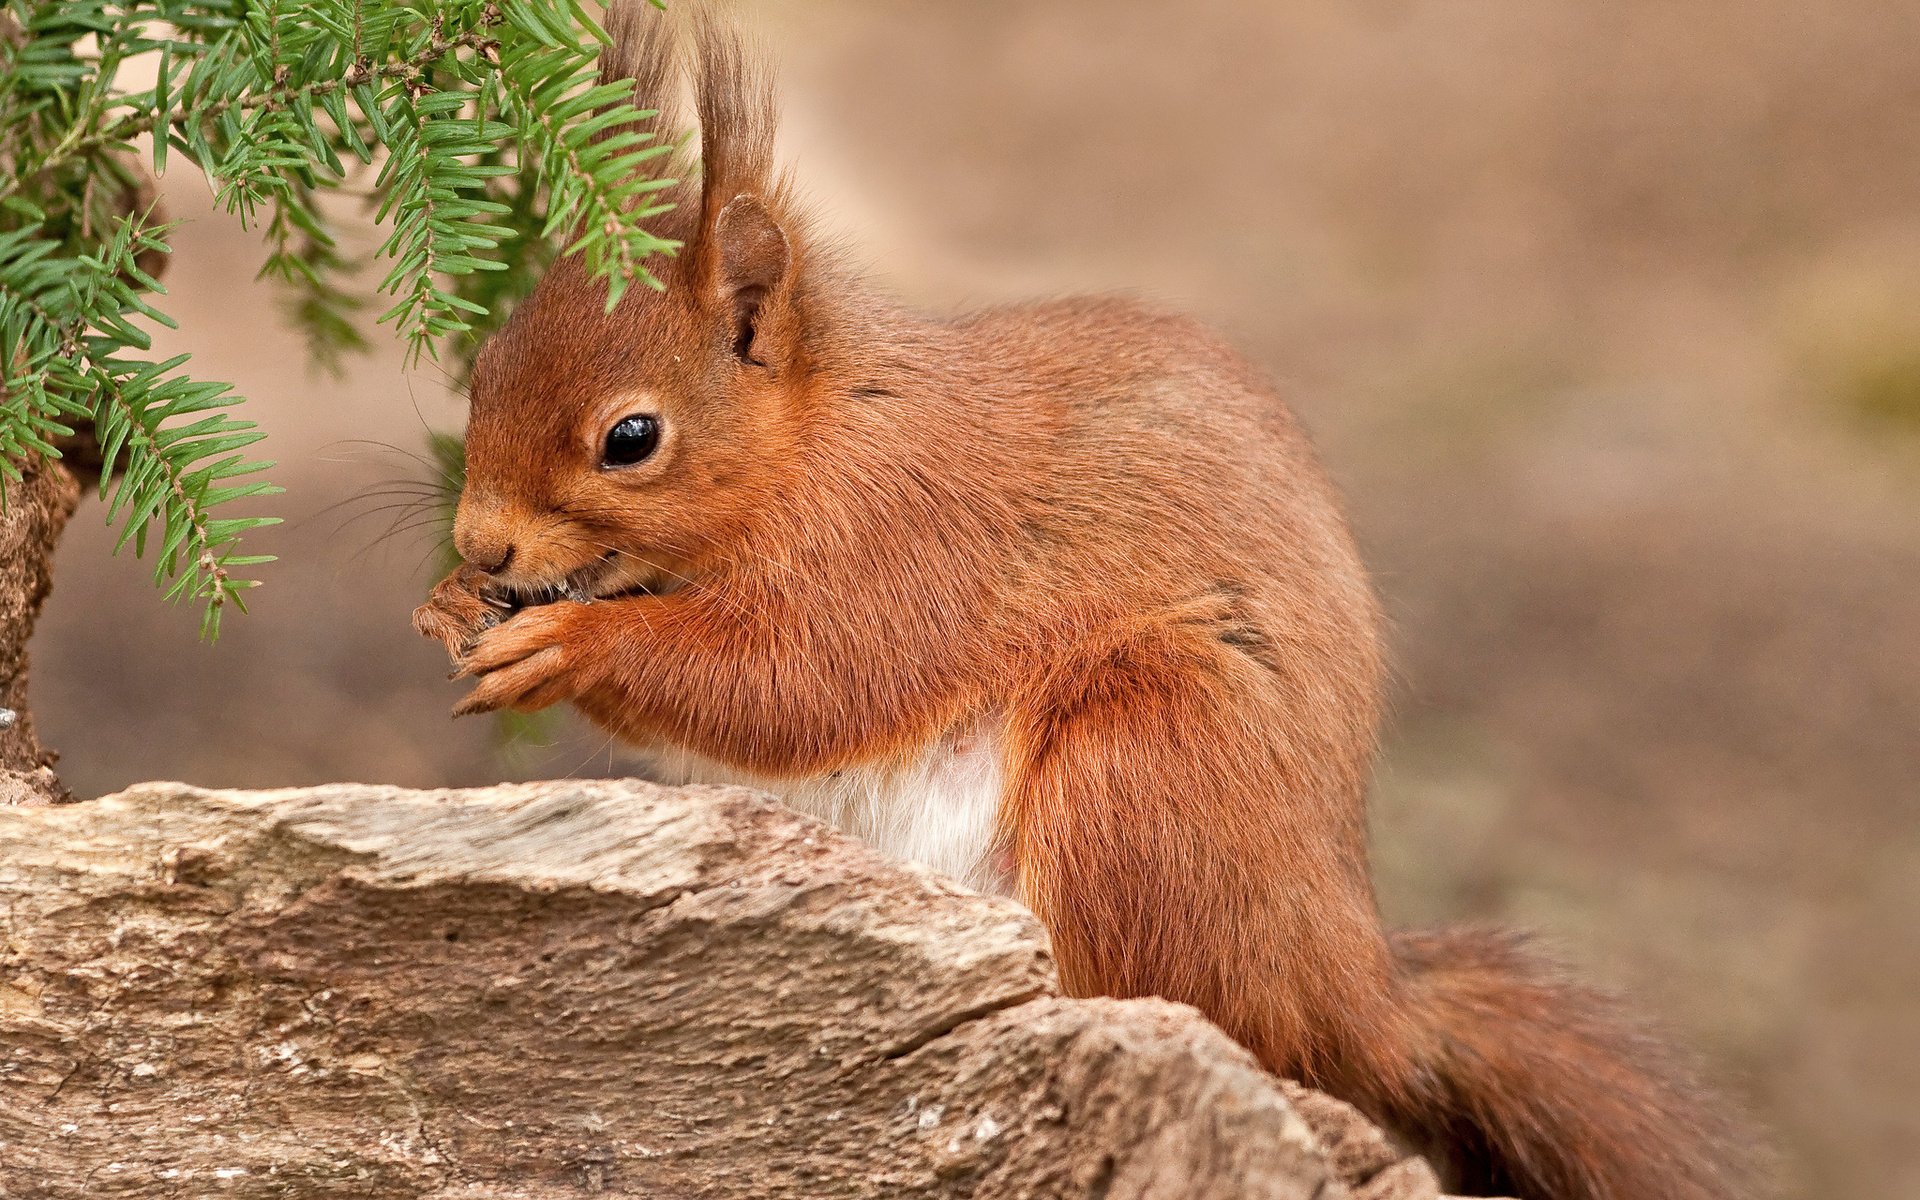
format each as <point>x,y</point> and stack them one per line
<point>580,989</point>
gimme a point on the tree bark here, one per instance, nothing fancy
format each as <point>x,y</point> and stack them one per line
<point>36,511</point>
<point>586,988</point>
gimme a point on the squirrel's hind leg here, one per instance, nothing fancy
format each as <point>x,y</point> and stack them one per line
<point>1164,837</point>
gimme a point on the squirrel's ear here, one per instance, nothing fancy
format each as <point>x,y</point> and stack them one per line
<point>753,259</point>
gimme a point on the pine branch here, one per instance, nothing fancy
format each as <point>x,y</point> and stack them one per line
<point>597,184</point>
<point>124,130</point>
<point>433,181</point>
<point>64,322</point>
<point>490,133</point>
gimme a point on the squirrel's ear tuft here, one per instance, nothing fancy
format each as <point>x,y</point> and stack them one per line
<point>642,47</point>
<point>752,260</point>
<point>733,89</point>
<point>744,252</point>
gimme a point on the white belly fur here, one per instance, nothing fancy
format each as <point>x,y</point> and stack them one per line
<point>937,809</point>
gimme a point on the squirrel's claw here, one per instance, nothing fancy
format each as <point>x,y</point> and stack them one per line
<point>527,633</point>
<point>531,684</point>
<point>521,664</point>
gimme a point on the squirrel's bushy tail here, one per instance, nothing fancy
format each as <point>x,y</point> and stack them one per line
<point>1534,1087</point>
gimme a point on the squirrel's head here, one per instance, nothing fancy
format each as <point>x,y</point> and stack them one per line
<point>611,452</point>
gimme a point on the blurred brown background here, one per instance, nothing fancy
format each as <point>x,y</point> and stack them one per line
<point>1606,315</point>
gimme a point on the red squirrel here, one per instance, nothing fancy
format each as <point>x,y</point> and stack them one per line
<point>1054,598</point>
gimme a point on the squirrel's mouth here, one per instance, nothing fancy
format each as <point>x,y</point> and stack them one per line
<point>612,576</point>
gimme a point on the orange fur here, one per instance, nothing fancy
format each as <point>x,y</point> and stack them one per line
<point>1086,519</point>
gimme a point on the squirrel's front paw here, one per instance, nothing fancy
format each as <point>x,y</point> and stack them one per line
<point>458,611</point>
<point>527,662</point>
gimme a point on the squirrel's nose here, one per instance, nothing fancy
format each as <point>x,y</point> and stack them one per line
<point>499,564</point>
<point>484,533</point>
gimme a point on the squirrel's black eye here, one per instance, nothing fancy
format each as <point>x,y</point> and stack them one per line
<point>633,439</point>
